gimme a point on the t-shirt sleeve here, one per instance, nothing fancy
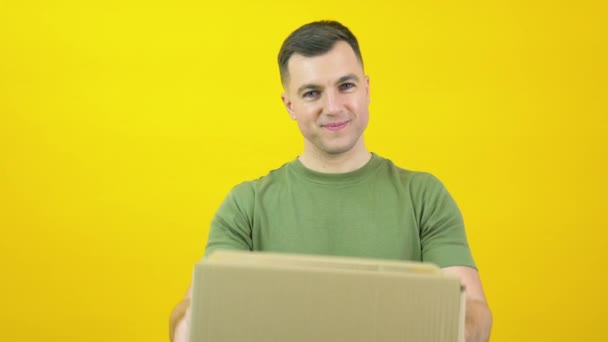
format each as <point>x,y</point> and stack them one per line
<point>231,225</point>
<point>442,233</point>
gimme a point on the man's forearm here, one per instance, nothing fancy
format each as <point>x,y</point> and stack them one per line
<point>178,322</point>
<point>478,321</point>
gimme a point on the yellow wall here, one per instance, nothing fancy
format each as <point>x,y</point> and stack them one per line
<point>124,124</point>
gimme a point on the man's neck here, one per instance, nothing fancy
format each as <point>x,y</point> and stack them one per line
<point>348,161</point>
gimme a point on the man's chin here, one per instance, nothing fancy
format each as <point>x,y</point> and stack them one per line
<point>337,150</point>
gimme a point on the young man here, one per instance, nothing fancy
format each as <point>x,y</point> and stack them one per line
<point>337,198</point>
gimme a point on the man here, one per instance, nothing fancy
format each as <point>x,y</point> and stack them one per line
<point>337,198</point>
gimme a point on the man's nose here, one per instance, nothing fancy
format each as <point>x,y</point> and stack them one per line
<point>333,103</point>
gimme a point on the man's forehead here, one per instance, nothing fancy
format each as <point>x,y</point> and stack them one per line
<point>330,66</point>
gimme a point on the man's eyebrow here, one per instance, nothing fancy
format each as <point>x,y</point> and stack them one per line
<point>349,77</point>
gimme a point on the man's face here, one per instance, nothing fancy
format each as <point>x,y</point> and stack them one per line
<point>328,95</point>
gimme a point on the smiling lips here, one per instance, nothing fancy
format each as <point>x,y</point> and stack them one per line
<point>335,126</point>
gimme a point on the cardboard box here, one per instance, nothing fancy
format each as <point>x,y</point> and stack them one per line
<point>267,297</point>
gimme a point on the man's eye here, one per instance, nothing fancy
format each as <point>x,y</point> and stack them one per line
<point>347,86</point>
<point>310,94</point>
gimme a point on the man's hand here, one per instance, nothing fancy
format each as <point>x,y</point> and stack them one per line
<point>478,320</point>
<point>179,322</point>
<point>181,328</point>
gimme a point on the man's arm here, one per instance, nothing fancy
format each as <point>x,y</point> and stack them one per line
<point>230,229</point>
<point>179,321</point>
<point>478,320</point>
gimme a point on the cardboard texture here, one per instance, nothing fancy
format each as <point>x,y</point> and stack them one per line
<point>255,297</point>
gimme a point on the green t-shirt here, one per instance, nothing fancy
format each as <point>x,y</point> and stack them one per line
<point>377,211</point>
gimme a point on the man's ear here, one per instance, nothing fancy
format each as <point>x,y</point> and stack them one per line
<point>288,105</point>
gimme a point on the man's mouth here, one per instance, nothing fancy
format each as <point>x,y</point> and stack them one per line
<point>336,126</point>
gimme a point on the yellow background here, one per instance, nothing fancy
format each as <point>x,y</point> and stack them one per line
<point>124,124</point>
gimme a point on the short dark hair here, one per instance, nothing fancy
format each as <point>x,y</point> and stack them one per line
<point>314,39</point>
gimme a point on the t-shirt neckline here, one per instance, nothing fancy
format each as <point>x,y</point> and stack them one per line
<point>344,178</point>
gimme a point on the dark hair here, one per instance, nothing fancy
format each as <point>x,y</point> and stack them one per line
<point>314,39</point>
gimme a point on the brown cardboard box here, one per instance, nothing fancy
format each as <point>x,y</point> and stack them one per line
<point>266,297</point>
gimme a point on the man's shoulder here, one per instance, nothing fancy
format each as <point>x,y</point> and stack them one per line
<point>250,186</point>
<point>409,177</point>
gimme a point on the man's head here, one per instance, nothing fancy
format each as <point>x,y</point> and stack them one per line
<point>326,90</point>
<point>315,39</point>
